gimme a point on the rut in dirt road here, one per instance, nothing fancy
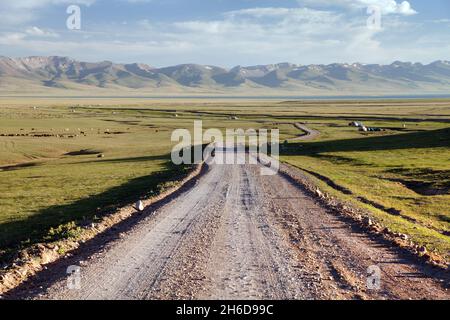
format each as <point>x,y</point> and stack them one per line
<point>249,260</point>
<point>239,235</point>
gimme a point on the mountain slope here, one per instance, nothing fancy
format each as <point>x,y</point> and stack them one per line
<point>54,74</point>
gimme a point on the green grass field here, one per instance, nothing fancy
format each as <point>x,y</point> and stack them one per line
<point>47,181</point>
<point>406,177</point>
<point>52,174</point>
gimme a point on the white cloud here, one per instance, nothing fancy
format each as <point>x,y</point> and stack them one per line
<point>297,14</point>
<point>249,36</point>
<point>17,12</point>
<point>12,38</point>
<point>244,35</point>
<point>38,32</point>
<point>405,8</point>
<point>32,4</point>
<point>386,6</point>
<point>441,21</point>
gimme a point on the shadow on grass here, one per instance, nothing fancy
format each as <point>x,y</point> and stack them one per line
<point>36,227</point>
<point>19,166</point>
<point>416,140</point>
<point>57,271</point>
<point>126,160</point>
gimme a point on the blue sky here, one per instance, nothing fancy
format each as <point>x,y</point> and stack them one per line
<point>228,32</point>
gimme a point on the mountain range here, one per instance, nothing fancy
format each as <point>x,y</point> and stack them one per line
<point>66,76</point>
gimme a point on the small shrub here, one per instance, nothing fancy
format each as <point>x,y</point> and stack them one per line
<point>65,231</point>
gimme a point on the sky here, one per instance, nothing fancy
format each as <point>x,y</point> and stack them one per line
<point>229,32</point>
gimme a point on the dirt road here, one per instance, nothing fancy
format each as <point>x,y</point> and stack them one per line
<point>239,235</point>
<point>310,134</point>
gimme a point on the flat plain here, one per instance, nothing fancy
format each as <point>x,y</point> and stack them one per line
<point>71,161</point>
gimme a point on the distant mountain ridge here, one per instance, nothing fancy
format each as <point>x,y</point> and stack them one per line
<point>62,74</point>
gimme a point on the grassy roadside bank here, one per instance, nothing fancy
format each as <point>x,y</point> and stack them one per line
<point>402,179</point>
<point>57,222</point>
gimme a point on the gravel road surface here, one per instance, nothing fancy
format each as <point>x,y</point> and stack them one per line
<point>238,235</point>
